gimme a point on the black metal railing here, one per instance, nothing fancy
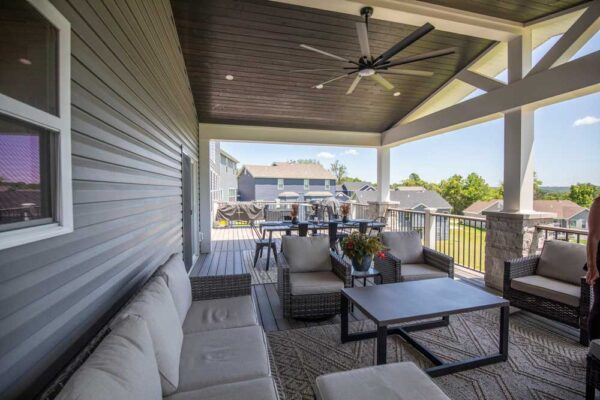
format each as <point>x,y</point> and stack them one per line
<point>573,235</point>
<point>406,220</point>
<point>462,238</point>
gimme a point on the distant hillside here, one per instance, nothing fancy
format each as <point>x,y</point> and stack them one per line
<point>555,189</point>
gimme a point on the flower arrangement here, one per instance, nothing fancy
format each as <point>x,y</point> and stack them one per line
<point>360,248</point>
<point>294,213</point>
<point>345,209</point>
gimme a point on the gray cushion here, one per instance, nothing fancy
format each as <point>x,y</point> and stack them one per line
<point>307,254</point>
<point>415,272</point>
<point>231,312</point>
<point>595,348</point>
<point>123,366</point>
<point>255,389</point>
<point>315,283</point>
<point>548,288</point>
<point>563,261</point>
<point>177,279</point>
<point>397,381</point>
<point>223,356</point>
<point>155,305</point>
<point>405,246</point>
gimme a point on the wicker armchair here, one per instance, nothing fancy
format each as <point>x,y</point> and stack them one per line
<point>317,293</point>
<point>406,259</point>
<point>593,370</point>
<point>538,284</point>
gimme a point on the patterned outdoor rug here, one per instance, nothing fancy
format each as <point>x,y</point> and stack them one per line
<point>541,365</point>
<point>260,274</point>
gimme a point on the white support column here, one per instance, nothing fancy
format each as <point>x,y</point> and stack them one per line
<point>429,228</point>
<point>204,195</point>
<point>518,135</point>
<point>383,174</point>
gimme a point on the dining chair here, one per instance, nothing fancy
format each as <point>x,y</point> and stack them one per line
<point>260,243</point>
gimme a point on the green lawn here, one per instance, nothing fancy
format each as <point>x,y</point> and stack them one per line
<point>466,244</point>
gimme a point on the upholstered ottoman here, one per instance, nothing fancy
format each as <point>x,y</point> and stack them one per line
<point>396,381</point>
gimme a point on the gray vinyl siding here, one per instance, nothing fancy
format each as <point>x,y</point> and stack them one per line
<point>266,188</point>
<point>132,111</point>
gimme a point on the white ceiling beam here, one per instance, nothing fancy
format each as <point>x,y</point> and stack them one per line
<point>479,81</point>
<point>416,13</point>
<point>268,134</point>
<point>572,40</point>
<point>573,79</point>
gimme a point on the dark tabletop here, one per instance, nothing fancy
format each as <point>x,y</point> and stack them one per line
<point>286,226</point>
<point>413,300</point>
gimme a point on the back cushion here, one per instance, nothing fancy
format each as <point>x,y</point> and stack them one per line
<point>404,245</point>
<point>307,254</point>
<point>177,279</point>
<point>563,261</point>
<point>155,305</point>
<point>123,366</point>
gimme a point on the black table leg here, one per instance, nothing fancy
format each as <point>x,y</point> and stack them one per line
<point>344,319</point>
<point>382,345</point>
<point>504,311</point>
<point>269,248</point>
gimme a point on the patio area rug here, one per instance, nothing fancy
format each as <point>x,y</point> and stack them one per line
<point>260,275</point>
<point>541,365</point>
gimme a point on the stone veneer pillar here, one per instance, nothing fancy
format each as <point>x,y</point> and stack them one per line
<point>510,235</point>
<point>379,208</point>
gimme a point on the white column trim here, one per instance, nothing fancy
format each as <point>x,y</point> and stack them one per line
<point>383,174</point>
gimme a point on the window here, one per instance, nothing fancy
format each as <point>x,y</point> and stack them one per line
<point>35,123</point>
<point>232,194</point>
<point>306,184</point>
<point>327,186</point>
<point>280,185</point>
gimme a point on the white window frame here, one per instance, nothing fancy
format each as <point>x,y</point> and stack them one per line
<point>327,184</point>
<point>306,184</point>
<point>60,124</point>
<point>280,184</point>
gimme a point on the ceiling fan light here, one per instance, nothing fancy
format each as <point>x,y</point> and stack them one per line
<point>396,94</point>
<point>229,77</point>
<point>366,72</point>
<point>320,86</point>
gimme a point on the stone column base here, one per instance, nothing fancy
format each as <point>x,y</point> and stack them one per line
<point>378,208</point>
<point>510,235</point>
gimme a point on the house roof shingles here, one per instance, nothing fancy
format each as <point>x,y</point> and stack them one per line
<point>289,171</point>
<point>564,209</point>
<point>408,198</point>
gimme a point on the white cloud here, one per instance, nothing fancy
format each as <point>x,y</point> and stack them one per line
<point>350,152</point>
<point>589,120</point>
<point>325,154</point>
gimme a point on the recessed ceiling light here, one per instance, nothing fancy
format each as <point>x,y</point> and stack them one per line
<point>396,94</point>
<point>25,61</point>
<point>229,77</point>
<point>319,86</point>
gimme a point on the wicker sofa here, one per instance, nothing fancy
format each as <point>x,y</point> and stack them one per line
<point>406,259</point>
<point>551,285</point>
<point>310,277</point>
<point>593,370</point>
<point>178,339</point>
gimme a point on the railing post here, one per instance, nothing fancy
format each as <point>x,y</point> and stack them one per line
<point>429,228</point>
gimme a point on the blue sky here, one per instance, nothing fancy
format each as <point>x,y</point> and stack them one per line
<point>566,150</point>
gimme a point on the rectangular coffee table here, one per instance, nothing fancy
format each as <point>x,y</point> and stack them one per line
<point>418,300</point>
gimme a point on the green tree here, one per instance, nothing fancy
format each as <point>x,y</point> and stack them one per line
<point>451,189</point>
<point>462,192</point>
<point>538,193</point>
<point>349,179</point>
<point>584,194</point>
<point>415,180</point>
<point>339,170</point>
<point>556,196</point>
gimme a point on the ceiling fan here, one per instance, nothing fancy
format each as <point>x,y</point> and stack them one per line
<point>371,67</point>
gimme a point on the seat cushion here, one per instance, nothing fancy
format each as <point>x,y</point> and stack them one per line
<point>155,305</point>
<point>315,283</point>
<point>179,285</point>
<point>123,366</point>
<point>415,272</point>
<point>390,381</point>
<point>255,389</point>
<point>307,254</point>
<point>595,348</point>
<point>405,246</point>
<point>563,261</point>
<point>231,312</point>
<point>548,288</point>
<point>223,356</point>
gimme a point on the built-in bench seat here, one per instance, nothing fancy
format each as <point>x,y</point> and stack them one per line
<point>180,339</point>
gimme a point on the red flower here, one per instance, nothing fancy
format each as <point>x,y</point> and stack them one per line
<point>349,245</point>
<point>381,254</point>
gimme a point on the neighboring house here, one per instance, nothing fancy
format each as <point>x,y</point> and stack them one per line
<point>568,213</point>
<point>223,174</point>
<point>286,182</point>
<point>409,197</point>
<point>349,188</point>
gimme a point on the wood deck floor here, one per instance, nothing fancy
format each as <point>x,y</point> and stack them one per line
<point>230,247</point>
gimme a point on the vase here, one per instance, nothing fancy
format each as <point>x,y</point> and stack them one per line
<point>362,264</point>
<point>295,220</point>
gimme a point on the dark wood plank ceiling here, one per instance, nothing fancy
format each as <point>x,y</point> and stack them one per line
<point>258,43</point>
<point>514,10</point>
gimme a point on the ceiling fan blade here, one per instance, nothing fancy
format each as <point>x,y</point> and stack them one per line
<point>326,53</point>
<point>411,72</point>
<point>363,39</point>
<point>316,70</point>
<point>331,80</point>
<point>382,81</point>
<point>404,43</point>
<point>354,84</point>
<point>420,57</point>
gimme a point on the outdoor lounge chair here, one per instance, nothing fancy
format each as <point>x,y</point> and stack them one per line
<point>310,277</point>
<point>551,284</point>
<point>407,260</point>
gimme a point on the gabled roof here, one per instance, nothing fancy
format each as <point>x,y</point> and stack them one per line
<point>356,186</point>
<point>481,205</point>
<point>226,154</point>
<point>289,171</point>
<point>564,209</point>
<point>407,199</point>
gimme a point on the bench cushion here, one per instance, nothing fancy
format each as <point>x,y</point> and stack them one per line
<point>563,261</point>
<point>547,288</point>
<point>223,356</point>
<point>315,283</point>
<point>390,381</point>
<point>231,312</point>
<point>307,254</point>
<point>595,348</point>
<point>415,272</point>
<point>406,246</point>
<point>255,389</point>
<point>178,282</point>
<point>155,305</point>
<point>123,366</point>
